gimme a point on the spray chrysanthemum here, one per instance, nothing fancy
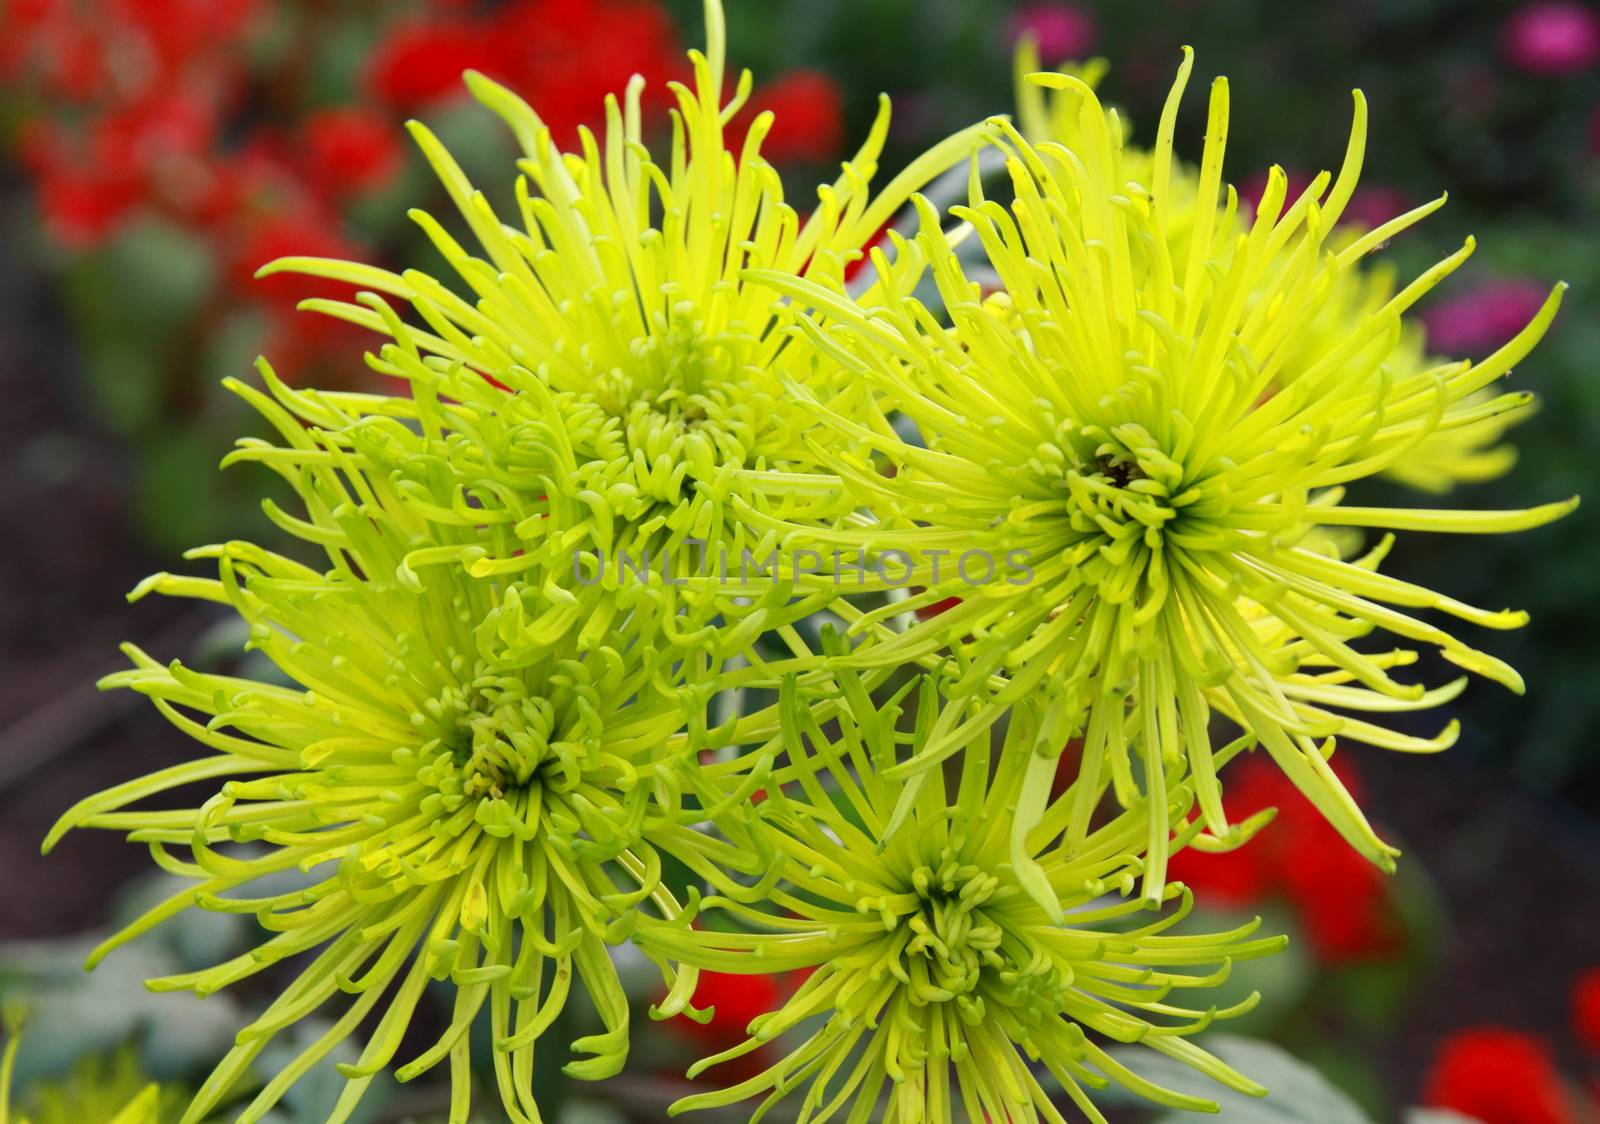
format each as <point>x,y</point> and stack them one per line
<point>462,778</point>
<point>619,300</point>
<point>935,971</point>
<point>1119,415</point>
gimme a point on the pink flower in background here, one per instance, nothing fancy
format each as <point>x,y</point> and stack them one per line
<point>1062,31</point>
<point>1555,37</point>
<point>1370,206</point>
<point>1375,205</point>
<point>1484,318</point>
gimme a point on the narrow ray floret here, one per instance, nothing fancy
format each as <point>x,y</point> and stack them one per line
<point>938,983</point>
<point>619,297</point>
<point>1119,413</point>
<point>458,781</point>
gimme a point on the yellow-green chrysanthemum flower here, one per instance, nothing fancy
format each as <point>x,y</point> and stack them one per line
<point>1106,417</point>
<point>937,972</point>
<point>617,300</point>
<point>462,779</point>
<point>1454,454</point>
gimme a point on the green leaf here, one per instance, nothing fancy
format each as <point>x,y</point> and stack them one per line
<point>1299,1094</point>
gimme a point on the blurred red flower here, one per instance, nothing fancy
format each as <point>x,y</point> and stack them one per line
<point>1063,32</point>
<point>1497,1076</point>
<point>81,202</point>
<point>1550,38</point>
<point>30,15</point>
<point>281,232</point>
<point>1340,899</point>
<point>1068,767</point>
<point>565,56</point>
<point>562,56</point>
<point>737,999</point>
<point>1248,874</point>
<point>348,150</point>
<point>136,107</point>
<point>1586,1010</point>
<point>148,136</point>
<point>808,123</point>
<point>299,342</point>
<point>149,82</point>
<point>305,345</point>
<point>418,64</point>
<point>176,34</point>
<point>81,208</point>
<point>45,43</point>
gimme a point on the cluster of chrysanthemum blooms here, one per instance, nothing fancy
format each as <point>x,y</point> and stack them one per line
<point>481,759</point>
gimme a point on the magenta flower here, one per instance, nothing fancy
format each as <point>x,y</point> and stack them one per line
<point>1370,206</point>
<point>1062,31</point>
<point>1375,204</point>
<point>1483,318</point>
<point>1554,37</point>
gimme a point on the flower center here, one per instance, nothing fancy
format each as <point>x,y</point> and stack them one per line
<point>497,734</point>
<point>1117,471</point>
<point>673,371</point>
<point>951,939</point>
<point>1126,502</point>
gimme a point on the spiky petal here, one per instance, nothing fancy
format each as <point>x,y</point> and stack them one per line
<point>935,971</point>
<point>1119,414</point>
